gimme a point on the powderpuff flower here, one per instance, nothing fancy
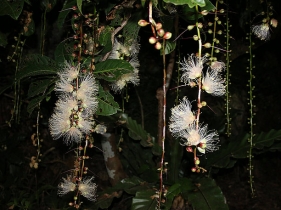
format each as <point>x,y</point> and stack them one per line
<point>59,123</point>
<point>88,189</point>
<point>118,51</point>
<point>63,86</point>
<point>66,186</point>
<point>192,68</point>
<point>87,87</point>
<point>204,140</point>
<point>262,31</point>
<point>213,84</point>
<point>61,126</point>
<point>85,125</point>
<point>73,134</point>
<point>181,117</point>
<point>69,72</point>
<point>67,105</point>
<point>119,84</point>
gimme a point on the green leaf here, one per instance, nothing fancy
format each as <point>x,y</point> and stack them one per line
<point>226,156</point>
<point>33,103</point>
<point>79,4</point>
<point>3,39</point>
<point>207,195</point>
<point>131,185</point>
<point>183,186</point>
<point>191,3</point>
<point>107,105</point>
<point>37,65</point>
<point>11,8</point>
<point>144,200</point>
<point>62,53</point>
<point>111,69</point>
<point>39,86</point>
<point>136,131</point>
<point>105,39</point>
<point>64,12</point>
<point>169,47</point>
<point>188,13</point>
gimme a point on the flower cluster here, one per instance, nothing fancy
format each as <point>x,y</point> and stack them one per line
<point>86,187</point>
<point>72,117</point>
<point>212,81</point>
<point>130,53</point>
<point>183,125</point>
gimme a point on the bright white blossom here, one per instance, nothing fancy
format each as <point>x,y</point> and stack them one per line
<point>87,188</point>
<point>204,140</point>
<point>72,117</point>
<point>66,186</point>
<point>181,117</point>
<point>262,31</point>
<point>192,68</point>
<point>63,86</point>
<point>213,84</point>
<point>69,72</point>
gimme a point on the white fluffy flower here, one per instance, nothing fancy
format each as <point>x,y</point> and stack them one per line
<point>66,186</point>
<point>204,140</point>
<point>88,189</point>
<point>181,117</point>
<point>69,72</point>
<point>262,31</point>
<point>192,68</point>
<point>63,86</point>
<point>213,84</point>
<point>59,123</point>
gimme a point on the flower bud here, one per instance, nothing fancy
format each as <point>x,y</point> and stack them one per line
<point>158,26</point>
<point>189,149</point>
<point>190,27</point>
<point>204,12</point>
<point>195,37</point>
<point>143,23</point>
<point>199,25</point>
<point>158,46</point>
<point>167,35</point>
<point>197,162</point>
<point>152,40</point>
<point>273,22</point>
<point>207,45</point>
<point>161,32</point>
<point>193,169</point>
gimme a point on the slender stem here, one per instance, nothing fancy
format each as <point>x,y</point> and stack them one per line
<point>228,120</point>
<point>164,124</point>
<point>251,98</point>
<point>199,79</point>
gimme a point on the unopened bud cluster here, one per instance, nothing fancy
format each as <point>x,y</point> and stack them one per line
<point>159,35</point>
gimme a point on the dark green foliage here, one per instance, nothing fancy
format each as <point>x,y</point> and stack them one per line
<point>11,8</point>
